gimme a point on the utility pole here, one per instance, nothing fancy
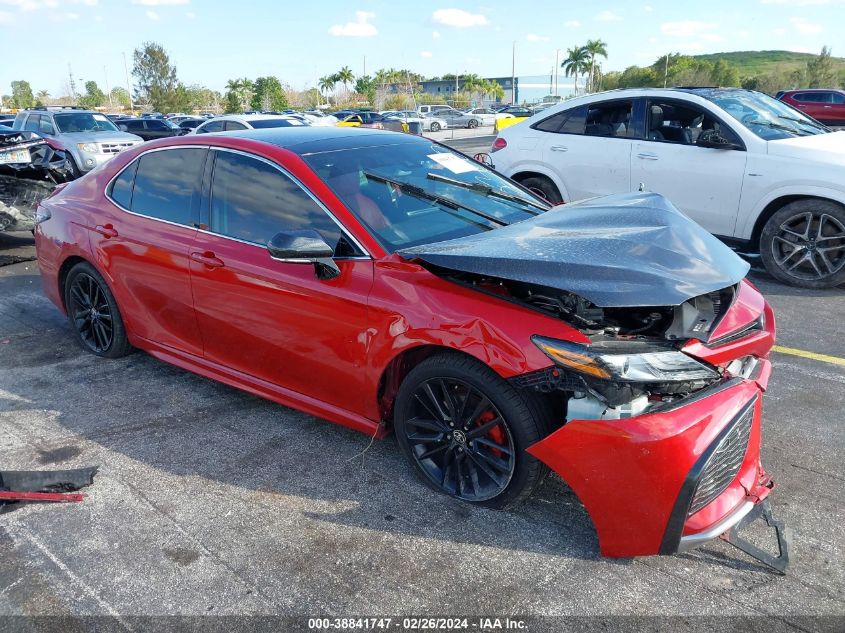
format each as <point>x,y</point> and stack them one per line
<point>513,74</point>
<point>108,91</point>
<point>557,71</point>
<point>365,65</point>
<point>666,71</point>
<point>128,85</point>
<point>72,85</point>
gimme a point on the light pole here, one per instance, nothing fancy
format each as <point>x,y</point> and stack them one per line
<point>128,85</point>
<point>513,74</point>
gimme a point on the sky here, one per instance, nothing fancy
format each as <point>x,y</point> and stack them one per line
<point>211,41</point>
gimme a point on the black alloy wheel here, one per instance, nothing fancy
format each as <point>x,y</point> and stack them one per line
<point>93,313</point>
<point>804,244</point>
<point>460,440</point>
<point>435,126</point>
<point>464,429</point>
<point>472,124</point>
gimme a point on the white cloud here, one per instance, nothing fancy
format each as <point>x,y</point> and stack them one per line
<point>71,16</point>
<point>805,27</point>
<point>190,15</point>
<point>159,3</point>
<point>648,8</point>
<point>6,17</point>
<point>608,16</point>
<point>37,5</point>
<point>572,24</point>
<point>360,27</point>
<point>426,54</point>
<point>435,35</point>
<point>686,28</point>
<point>458,18</point>
<point>780,31</point>
<point>152,15</point>
<point>533,37</point>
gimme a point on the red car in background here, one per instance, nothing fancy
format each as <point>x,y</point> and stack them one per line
<point>825,106</point>
<point>389,284</point>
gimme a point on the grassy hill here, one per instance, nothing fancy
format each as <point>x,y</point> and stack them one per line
<point>753,63</point>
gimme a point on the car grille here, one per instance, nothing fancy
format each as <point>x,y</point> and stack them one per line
<point>115,148</point>
<point>723,465</point>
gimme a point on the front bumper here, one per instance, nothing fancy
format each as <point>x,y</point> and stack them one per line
<point>637,477</point>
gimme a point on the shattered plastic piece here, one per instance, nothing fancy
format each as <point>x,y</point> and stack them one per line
<point>44,485</point>
<point>33,157</point>
<point>626,250</point>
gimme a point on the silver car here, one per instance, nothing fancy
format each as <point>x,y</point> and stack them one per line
<point>89,138</point>
<point>429,123</point>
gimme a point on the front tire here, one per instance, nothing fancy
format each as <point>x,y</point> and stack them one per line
<point>435,127</point>
<point>803,244</point>
<point>472,124</point>
<point>93,313</point>
<point>465,430</point>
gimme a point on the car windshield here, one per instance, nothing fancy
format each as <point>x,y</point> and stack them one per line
<point>768,118</point>
<point>83,122</point>
<point>260,124</point>
<point>417,192</point>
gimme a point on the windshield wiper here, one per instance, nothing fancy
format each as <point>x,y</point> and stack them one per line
<point>804,122</point>
<point>777,126</point>
<point>419,192</point>
<point>488,191</point>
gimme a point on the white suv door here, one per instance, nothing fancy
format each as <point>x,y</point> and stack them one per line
<point>703,182</point>
<point>589,148</point>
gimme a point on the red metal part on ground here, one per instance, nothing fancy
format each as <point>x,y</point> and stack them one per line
<point>59,497</point>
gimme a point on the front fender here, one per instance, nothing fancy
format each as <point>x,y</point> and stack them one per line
<point>746,222</point>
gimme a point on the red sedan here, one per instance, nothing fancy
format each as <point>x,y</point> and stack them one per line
<point>386,283</point>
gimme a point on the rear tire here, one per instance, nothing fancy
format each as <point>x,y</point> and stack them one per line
<point>544,187</point>
<point>803,244</point>
<point>93,313</point>
<point>465,430</point>
<point>472,124</point>
<point>435,127</point>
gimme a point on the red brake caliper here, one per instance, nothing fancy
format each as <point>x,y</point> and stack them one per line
<point>496,434</point>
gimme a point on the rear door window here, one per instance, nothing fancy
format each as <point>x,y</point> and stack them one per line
<point>167,185</point>
<point>611,119</point>
<point>211,126</point>
<point>121,188</point>
<point>32,123</point>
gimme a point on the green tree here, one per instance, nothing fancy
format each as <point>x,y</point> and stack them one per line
<point>345,76</point>
<point>327,84</point>
<point>595,48</point>
<point>238,94</point>
<point>820,71</point>
<point>366,85</point>
<point>120,96</point>
<point>724,74</point>
<point>268,94</point>
<point>157,84</point>
<point>202,98</point>
<point>22,96</point>
<point>41,97</point>
<point>576,63</point>
<point>93,97</point>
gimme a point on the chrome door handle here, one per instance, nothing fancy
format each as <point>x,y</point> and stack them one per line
<point>207,259</point>
<point>559,148</point>
<point>647,156</point>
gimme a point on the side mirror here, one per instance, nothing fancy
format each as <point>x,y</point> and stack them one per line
<point>713,140</point>
<point>304,247</point>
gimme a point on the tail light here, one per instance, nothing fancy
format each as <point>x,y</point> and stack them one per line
<point>498,144</point>
<point>53,143</point>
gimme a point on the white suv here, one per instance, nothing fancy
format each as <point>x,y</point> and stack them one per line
<point>747,167</point>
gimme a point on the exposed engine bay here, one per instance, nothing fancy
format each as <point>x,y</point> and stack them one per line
<point>636,330</point>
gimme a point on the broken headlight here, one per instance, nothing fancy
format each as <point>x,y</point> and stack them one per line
<point>628,362</point>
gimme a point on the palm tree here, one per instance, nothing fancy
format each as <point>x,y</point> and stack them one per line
<point>345,76</point>
<point>575,63</point>
<point>595,48</point>
<point>327,84</point>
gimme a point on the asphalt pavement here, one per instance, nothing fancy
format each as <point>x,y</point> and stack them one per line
<point>210,501</point>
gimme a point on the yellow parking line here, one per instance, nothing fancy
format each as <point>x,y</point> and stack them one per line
<point>824,358</point>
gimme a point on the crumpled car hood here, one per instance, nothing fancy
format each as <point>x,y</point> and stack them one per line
<point>632,249</point>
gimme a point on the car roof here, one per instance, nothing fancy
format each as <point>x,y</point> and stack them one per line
<point>311,140</point>
<point>249,117</point>
<point>789,92</point>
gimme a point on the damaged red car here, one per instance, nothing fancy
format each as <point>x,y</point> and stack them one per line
<point>389,284</point>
